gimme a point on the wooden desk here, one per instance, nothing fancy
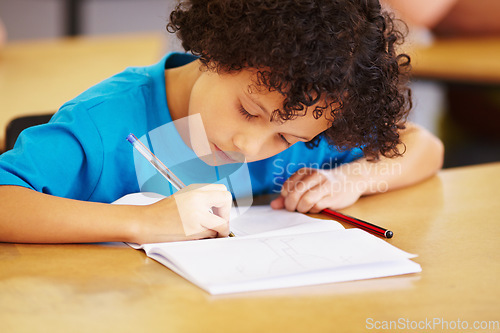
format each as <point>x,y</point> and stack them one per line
<point>472,60</point>
<point>450,220</point>
<point>39,76</point>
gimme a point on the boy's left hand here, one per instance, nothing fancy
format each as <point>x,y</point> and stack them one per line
<point>312,190</point>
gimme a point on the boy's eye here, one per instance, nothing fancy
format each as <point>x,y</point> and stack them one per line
<point>249,116</point>
<point>245,113</point>
<point>284,140</point>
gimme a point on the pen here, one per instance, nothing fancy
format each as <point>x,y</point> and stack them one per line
<point>157,164</point>
<point>379,231</point>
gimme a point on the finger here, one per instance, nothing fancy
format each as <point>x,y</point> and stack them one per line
<point>294,197</point>
<point>214,197</point>
<point>278,203</point>
<point>310,198</point>
<point>298,185</point>
<point>325,195</point>
<point>204,187</point>
<point>222,204</point>
<point>206,233</point>
<point>204,209</point>
<point>213,187</point>
<point>201,222</point>
<point>292,180</point>
<point>338,202</point>
<point>325,202</point>
<point>217,224</point>
<point>219,200</point>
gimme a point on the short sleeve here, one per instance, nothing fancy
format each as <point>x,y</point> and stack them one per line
<point>62,158</point>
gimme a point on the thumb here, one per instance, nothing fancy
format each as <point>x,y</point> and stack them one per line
<point>216,223</point>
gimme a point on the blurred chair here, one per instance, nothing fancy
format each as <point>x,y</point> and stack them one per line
<point>17,125</point>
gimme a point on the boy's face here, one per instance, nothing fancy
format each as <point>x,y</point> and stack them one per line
<point>237,122</point>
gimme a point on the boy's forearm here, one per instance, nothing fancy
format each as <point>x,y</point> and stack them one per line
<point>422,158</point>
<point>32,217</point>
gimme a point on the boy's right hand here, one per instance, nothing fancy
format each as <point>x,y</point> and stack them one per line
<point>187,215</point>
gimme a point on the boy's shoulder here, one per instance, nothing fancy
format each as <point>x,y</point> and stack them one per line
<point>133,85</point>
<point>131,88</point>
<point>123,84</point>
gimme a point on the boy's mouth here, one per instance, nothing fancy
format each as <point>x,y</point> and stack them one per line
<point>222,156</point>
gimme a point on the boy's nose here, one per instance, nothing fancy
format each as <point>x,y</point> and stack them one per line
<point>249,144</point>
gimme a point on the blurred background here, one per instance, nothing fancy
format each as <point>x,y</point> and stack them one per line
<point>454,44</point>
<point>34,19</point>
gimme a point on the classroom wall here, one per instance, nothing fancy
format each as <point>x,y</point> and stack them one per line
<point>33,19</point>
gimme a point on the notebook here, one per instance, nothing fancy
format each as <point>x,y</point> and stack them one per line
<point>277,249</point>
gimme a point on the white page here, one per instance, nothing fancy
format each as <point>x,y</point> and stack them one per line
<point>265,221</point>
<point>339,274</point>
<point>279,249</point>
<point>221,263</point>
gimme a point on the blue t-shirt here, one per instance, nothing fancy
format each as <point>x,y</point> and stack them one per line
<point>82,152</point>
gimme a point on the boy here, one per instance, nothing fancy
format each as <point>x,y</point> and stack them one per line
<point>270,79</point>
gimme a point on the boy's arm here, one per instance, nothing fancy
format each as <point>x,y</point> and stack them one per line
<point>422,158</point>
<point>32,217</point>
<point>311,190</point>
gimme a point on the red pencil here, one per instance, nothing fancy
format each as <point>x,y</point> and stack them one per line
<point>379,231</point>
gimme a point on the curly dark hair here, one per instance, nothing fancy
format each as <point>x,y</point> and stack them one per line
<point>337,53</point>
